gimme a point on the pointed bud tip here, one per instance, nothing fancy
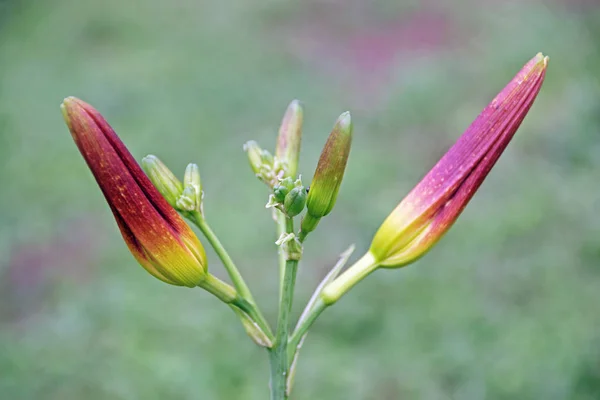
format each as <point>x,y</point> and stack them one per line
<point>249,144</point>
<point>540,57</point>
<point>540,60</point>
<point>149,159</point>
<point>295,105</point>
<point>345,121</point>
<point>70,102</point>
<point>67,105</point>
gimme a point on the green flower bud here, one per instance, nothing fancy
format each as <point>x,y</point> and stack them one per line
<point>288,183</point>
<point>328,176</point>
<point>261,162</point>
<point>279,193</point>
<point>253,150</point>
<point>188,201</point>
<point>295,201</point>
<point>163,179</point>
<point>290,136</point>
<point>192,178</point>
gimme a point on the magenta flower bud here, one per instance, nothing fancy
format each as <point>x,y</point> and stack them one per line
<point>430,209</point>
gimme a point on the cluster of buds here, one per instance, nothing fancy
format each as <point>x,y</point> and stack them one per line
<point>163,179</point>
<point>263,164</point>
<point>288,196</point>
<point>272,169</point>
<point>184,197</point>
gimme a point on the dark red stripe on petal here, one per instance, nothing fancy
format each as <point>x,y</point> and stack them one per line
<point>154,197</point>
<point>138,251</point>
<point>118,185</point>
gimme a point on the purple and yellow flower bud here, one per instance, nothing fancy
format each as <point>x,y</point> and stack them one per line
<point>430,209</point>
<point>163,179</point>
<point>156,235</point>
<point>328,175</point>
<point>287,151</point>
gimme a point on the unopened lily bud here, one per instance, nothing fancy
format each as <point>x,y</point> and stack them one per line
<point>329,174</point>
<point>290,136</point>
<point>295,201</point>
<point>163,179</point>
<point>430,209</point>
<point>156,235</point>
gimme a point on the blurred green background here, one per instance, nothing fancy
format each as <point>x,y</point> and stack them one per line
<point>505,307</point>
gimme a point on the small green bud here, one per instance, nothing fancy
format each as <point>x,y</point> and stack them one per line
<point>329,174</point>
<point>290,136</point>
<point>191,198</point>
<point>261,162</point>
<point>163,179</point>
<point>192,178</point>
<point>295,201</point>
<point>254,155</point>
<point>287,183</point>
<point>188,201</point>
<point>279,193</point>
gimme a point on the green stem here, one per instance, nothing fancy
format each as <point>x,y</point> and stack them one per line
<point>238,281</point>
<point>343,283</point>
<point>254,313</point>
<point>281,229</point>
<point>220,289</point>
<point>234,273</point>
<point>278,356</point>
<point>301,330</point>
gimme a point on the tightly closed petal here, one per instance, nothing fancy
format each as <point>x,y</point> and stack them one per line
<point>429,210</point>
<point>156,235</point>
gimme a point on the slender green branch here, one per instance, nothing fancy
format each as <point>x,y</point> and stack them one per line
<point>220,289</point>
<point>234,273</point>
<point>301,330</point>
<point>247,304</point>
<point>254,313</point>
<point>281,223</point>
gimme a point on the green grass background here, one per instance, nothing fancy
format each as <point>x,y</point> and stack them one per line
<point>507,306</point>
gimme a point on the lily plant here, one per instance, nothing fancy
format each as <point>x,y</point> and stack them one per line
<point>150,205</point>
